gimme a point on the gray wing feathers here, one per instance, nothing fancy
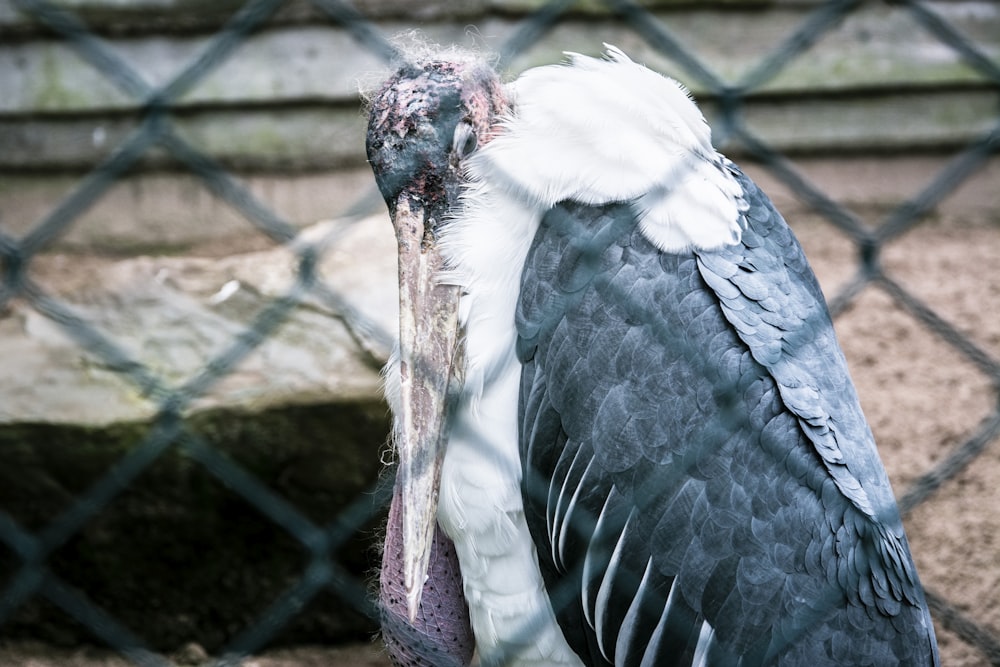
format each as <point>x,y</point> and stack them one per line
<point>698,476</point>
<point>770,296</point>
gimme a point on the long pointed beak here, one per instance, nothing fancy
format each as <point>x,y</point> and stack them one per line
<point>432,369</point>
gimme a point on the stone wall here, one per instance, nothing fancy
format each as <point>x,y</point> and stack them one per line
<point>282,110</point>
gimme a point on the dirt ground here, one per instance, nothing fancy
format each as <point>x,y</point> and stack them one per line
<point>922,397</point>
<point>26,654</point>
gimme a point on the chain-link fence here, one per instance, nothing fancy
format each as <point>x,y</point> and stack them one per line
<point>32,577</point>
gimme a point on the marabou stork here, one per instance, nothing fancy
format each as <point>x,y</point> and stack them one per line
<point>617,391</point>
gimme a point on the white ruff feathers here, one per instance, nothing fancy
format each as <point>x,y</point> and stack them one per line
<point>595,131</point>
<point>606,130</point>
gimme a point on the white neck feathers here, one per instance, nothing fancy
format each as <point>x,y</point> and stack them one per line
<point>609,130</point>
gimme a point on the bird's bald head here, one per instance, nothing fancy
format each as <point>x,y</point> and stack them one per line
<point>424,121</point>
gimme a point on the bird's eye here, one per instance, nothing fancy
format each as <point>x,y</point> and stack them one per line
<point>465,140</point>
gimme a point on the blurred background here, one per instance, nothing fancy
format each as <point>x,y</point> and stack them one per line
<point>197,289</point>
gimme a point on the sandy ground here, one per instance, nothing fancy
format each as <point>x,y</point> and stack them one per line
<point>923,399</point>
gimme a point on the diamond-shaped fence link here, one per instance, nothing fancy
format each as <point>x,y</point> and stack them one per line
<point>32,549</point>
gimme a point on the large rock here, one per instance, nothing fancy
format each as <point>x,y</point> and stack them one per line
<point>174,315</point>
<point>176,551</point>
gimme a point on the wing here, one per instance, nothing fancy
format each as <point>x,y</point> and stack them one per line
<point>698,476</point>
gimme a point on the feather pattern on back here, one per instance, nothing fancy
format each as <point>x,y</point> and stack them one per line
<point>714,520</point>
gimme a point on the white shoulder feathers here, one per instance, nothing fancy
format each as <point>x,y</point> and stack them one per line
<point>609,130</point>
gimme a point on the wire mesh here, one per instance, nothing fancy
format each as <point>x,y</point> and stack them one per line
<point>322,572</point>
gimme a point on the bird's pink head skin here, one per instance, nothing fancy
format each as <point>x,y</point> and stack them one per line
<point>424,121</point>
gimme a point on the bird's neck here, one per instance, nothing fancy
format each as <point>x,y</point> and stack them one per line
<point>485,247</point>
<point>480,506</point>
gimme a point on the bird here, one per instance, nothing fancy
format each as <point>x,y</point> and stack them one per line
<point>626,433</point>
